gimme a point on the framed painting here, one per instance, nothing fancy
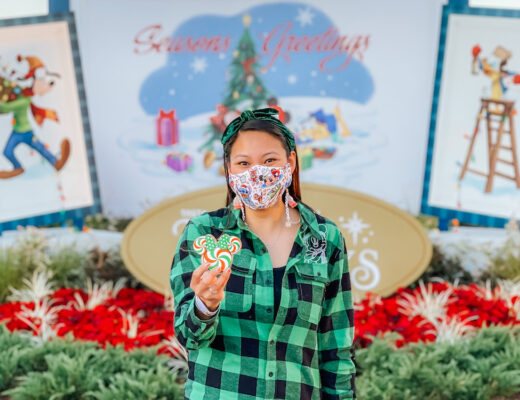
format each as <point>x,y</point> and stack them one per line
<point>47,168</point>
<point>473,159</point>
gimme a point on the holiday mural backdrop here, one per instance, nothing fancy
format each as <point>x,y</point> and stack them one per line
<point>165,80</point>
<point>477,110</point>
<point>44,167</point>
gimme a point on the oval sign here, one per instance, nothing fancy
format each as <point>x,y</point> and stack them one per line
<point>387,248</point>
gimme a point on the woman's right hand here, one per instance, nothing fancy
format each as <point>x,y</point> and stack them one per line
<point>203,279</point>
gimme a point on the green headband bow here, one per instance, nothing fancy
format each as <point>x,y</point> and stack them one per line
<point>264,114</point>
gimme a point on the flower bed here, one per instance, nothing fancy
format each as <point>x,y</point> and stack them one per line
<point>108,314</point>
<point>438,311</point>
<point>104,314</point>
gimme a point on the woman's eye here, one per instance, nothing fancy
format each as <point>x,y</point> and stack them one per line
<point>242,163</point>
<point>270,160</point>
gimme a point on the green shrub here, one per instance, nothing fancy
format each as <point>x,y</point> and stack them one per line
<point>504,261</point>
<point>68,266</point>
<point>100,221</point>
<point>97,221</point>
<point>481,367</point>
<point>446,268</point>
<point>65,378</point>
<point>428,221</point>
<point>18,262</point>
<point>67,369</point>
<point>478,368</point>
<point>140,384</point>
<point>108,266</point>
<point>11,272</point>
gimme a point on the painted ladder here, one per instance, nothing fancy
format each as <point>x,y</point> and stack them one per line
<point>502,111</point>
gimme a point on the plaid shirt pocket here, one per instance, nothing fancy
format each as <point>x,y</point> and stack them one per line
<point>238,295</point>
<point>311,280</point>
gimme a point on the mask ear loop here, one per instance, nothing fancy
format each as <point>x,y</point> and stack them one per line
<point>289,202</point>
<point>287,218</point>
<point>238,203</point>
<point>243,212</point>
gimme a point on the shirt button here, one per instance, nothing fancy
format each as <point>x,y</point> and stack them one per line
<point>319,274</point>
<point>268,282</point>
<point>270,374</point>
<point>269,310</point>
<point>271,342</point>
<point>264,250</point>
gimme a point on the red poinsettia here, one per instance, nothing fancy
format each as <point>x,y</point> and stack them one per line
<point>140,318</point>
<point>437,311</point>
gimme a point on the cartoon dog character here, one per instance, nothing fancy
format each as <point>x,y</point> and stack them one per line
<point>16,92</point>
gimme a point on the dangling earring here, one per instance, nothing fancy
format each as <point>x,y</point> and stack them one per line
<point>292,203</point>
<point>289,202</point>
<point>236,203</point>
<point>243,213</point>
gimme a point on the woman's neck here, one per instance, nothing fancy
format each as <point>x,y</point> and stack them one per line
<point>268,220</point>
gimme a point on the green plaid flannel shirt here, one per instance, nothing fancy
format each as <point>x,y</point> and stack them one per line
<point>244,351</point>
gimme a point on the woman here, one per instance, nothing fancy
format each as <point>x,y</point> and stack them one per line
<point>279,323</point>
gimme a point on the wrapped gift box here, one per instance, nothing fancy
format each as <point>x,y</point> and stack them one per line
<point>179,161</point>
<point>167,128</point>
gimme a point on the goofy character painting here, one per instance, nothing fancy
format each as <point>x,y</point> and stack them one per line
<point>16,92</point>
<point>494,67</point>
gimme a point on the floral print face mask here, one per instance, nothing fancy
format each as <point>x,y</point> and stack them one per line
<point>260,186</point>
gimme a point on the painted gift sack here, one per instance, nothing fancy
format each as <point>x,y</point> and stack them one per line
<point>219,254</point>
<point>9,91</point>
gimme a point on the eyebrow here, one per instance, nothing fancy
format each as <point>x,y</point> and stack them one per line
<point>245,155</point>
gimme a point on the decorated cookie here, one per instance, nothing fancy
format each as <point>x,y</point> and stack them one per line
<point>217,253</point>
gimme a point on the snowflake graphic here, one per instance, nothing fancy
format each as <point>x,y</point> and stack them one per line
<point>199,65</point>
<point>354,226</point>
<point>305,16</point>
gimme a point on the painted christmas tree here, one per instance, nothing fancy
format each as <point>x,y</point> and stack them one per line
<point>245,83</point>
<point>244,86</point>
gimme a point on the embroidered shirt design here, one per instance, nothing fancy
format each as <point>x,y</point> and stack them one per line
<point>316,248</point>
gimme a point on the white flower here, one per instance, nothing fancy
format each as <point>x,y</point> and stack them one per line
<point>41,320</point>
<point>176,350</point>
<point>36,289</point>
<point>429,305</point>
<point>131,325</point>
<point>97,294</point>
<point>452,330</point>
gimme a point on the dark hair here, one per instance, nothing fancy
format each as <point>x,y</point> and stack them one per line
<point>265,126</point>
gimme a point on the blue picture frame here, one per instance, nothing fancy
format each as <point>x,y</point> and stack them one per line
<point>77,215</point>
<point>445,215</point>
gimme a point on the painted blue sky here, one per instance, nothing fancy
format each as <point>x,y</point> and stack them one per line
<point>194,83</point>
